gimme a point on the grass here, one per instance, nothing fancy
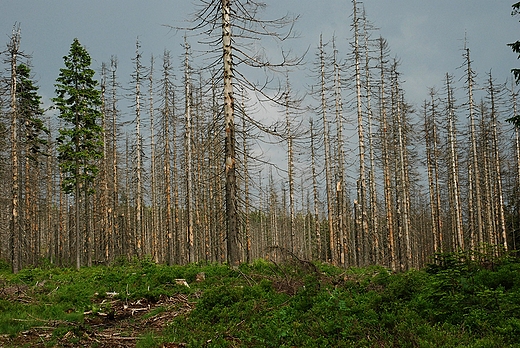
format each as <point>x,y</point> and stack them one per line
<point>459,300</point>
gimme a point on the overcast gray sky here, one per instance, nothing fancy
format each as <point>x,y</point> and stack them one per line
<point>427,36</point>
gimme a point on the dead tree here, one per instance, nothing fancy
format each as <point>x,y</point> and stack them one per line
<point>16,227</point>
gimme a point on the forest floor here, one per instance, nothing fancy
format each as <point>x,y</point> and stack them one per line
<point>459,300</point>
<point>122,327</point>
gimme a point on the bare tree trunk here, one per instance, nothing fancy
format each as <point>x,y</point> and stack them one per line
<point>475,182</point>
<point>490,228</point>
<point>217,232</point>
<point>514,95</point>
<point>317,232</point>
<point>153,247</point>
<point>497,167</point>
<point>106,209</point>
<point>374,209</point>
<point>290,166</point>
<point>188,151</point>
<point>129,240</point>
<point>428,130</point>
<point>166,120</point>
<point>53,232</point>
<point>232,233</point>
<point>328,173</point>
<point>138,155</point>
<point>116,240</point>
<point>247,203</point>
<point>454,167</point>
<point>386,135</point>
<point>89,238</point>
<point>402,184</point>
<point>363,227</point>
<point>341,211</point>
<point>14,47</point>
<point>177,240</point>
<point>27,237</point>
<point>433,173</point>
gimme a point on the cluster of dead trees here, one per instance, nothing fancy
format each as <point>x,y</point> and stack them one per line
<point>193,170</point>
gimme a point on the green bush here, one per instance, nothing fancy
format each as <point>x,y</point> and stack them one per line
<point>459,300</point>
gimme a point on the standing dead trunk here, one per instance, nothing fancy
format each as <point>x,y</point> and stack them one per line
<point>499,195</point>
<point>115,242</point>
<point>363,223</point>
<point>428,130</point>
<point>317,232</point>
<point>385,140</point>
<point>374,209</point>
<point>475,183</point>
<point>328,172</point>
<point>166,136</point>
<point>232,235</point>
<point>105,226</point>
<point>14,47</point>
<point>290,166</point>
<point>341,204</point>
<point>188,149</point>
<point>138,155</point>
<point>401,177</point>
<point>152,240</point>
<point>454,168</point>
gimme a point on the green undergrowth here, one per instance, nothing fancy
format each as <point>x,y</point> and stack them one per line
<point>462,299</point>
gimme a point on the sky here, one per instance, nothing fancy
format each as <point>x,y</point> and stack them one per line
<point>426,36</point>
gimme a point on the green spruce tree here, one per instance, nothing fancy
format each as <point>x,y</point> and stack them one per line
<point>31,114</point>
<point>32,147</point>
<point>80,143</point>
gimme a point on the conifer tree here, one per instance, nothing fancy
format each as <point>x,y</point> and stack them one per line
<point>33,147</point>
<point>80,142</point>
<point>31,112</point>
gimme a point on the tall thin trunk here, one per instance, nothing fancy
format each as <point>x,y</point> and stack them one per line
<point>454,168</point>
<point>432,154</point>
<point>475,183</point>
<point>129,240</point>
<point>188,149</point>
<point>138,154</point>
<point>386,134</point>
<point>49,199</point>
<point>106,213</point>
<point>402,184</point>
<point>374,213</point>
<point>116,226</point>
<point>514,95</point>
<point>232,233</point>
<point>340,163</point>
<point>28,241</point>
<point>315,195</point>
<point>217,232</point>
<point>363,227</point>
<point>176,242</point>
<point>490,228</point>
<point>247,203</point>
<point>437,184</point>
<point>153,244</point>
<point>290,166</point>
<point>428,130</point>
<point>166,115</point>
<point>497,167</point>
<point>328,172</point>
<point>14,47</point>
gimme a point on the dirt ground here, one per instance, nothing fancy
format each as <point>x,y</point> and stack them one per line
<point>116,324</point>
